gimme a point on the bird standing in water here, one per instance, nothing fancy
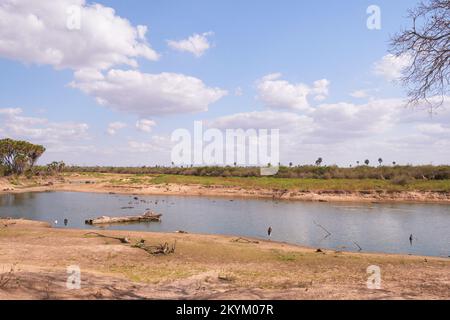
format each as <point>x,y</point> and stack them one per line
<point>411,238</point>
<point>269,231</point>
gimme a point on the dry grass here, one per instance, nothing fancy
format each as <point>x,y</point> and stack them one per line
<point>214,266</point>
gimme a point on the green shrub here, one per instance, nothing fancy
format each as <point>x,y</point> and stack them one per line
<point>402,180</point>
<point>392,173</point>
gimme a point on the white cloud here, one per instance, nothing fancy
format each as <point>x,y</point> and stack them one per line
<point>434,129</point>
<point>320,89</point>
<point>113,127</point>
<point>391,67</point>
<point>157,143</point>
<point>359,94</point>
<point>287,122</point>
<point>346,132</point>
<point>37,32</point>
<point>145,125</point>
<point>280,94</point>
<point>148,94</point>
<point>10,111</point>
<point>40,130</point>
<point>197,44</point>
<point>343,121</point>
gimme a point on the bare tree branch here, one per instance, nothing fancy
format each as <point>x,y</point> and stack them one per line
<point>427,43</point>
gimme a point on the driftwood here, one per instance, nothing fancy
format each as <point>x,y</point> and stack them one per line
<point>323,228</point>
<point>356,244</point>
<point>162,249</point>
<point>148,216</point>
<point>122,240</point>
<point>243,240</point>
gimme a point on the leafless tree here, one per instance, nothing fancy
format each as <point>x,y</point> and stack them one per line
<point>427,44</point>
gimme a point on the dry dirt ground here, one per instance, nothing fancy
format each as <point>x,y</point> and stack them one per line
<point>34,260</point>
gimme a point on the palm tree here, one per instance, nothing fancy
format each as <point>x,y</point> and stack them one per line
<point>290,164</point>
<point>319,161</point>
<point>394,163</point>
<point>357,162</point>
<point>367,162</point>
<point>380,161</point>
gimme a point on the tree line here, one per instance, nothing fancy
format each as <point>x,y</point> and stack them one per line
<point>19,157</point>
<point>399,174</point>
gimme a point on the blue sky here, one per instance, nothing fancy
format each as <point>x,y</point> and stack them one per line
<point>49,94</point>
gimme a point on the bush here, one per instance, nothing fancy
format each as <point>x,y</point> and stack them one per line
<point>402,180</point>
<point>396,173</point>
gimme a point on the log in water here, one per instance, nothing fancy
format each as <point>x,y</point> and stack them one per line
<point>146,217</point>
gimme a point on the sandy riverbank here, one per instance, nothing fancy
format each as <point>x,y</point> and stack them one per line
<point>125,184</point>
<point>203,266</point>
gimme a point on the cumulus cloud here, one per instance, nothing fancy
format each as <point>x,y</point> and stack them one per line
<point>390,67</point>
<point>287,122</point>
<point>145,125</point>
<point>148,94</point>
<point>113,127</point>
<point>341,122</point>
<point>39,32</point>
<point>280,94</point>
<point>382,127</point>
<point>41,130</point>
<point>197,44</point>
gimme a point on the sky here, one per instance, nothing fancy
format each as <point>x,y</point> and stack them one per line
<point>107,83</point>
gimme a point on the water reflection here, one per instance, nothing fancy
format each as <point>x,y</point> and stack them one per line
<point>372,227</point>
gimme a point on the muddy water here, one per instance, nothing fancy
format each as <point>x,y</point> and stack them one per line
<point>373,227</point>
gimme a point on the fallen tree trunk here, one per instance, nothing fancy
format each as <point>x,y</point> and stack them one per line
<point>148,216</point>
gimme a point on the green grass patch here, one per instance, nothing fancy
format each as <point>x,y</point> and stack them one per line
<point>305,184</point>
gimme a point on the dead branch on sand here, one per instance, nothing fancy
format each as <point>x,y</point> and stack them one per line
<point>8,277</point>
<point>243,240</point>
<point>122,240</point>
<point>161,249</point>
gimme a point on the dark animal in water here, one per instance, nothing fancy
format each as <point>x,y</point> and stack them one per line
<point>269,231</point>
<point>411,238</point>
<point>66,221</point>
